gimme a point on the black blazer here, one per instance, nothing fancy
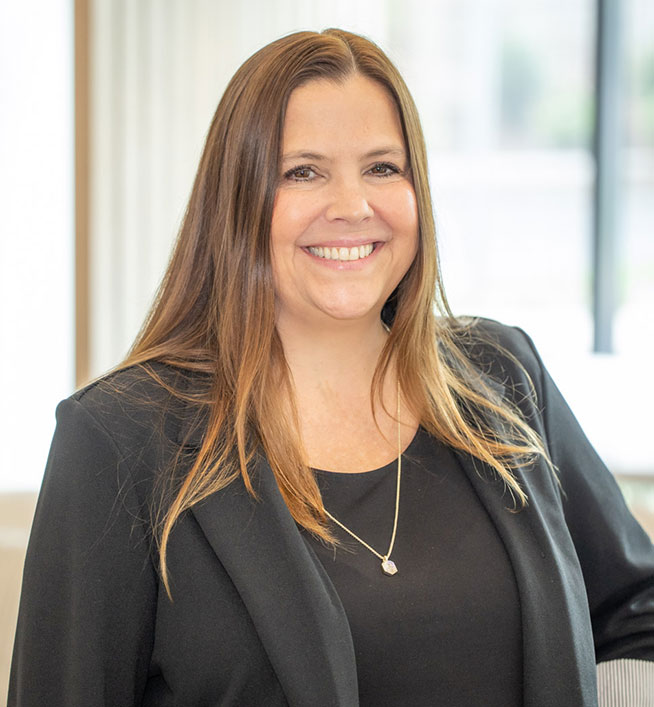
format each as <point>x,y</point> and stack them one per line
<point>254,618</point>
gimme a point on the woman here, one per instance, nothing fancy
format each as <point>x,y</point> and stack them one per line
<point>304,488</point>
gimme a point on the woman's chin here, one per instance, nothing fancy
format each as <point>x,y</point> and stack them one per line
<point>326,309</point>
<point>353,314</point>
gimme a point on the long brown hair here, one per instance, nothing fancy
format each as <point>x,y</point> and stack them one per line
<point>215,310</point>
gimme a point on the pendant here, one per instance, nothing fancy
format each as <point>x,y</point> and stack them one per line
<point>388,567</point>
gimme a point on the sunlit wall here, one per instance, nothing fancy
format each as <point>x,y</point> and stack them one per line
<point>36,231</point>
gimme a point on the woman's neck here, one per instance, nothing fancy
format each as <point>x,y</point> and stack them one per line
<point>332,371</point>
<point>344,355</point>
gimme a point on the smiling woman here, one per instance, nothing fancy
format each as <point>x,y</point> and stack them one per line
<point>309,483</point>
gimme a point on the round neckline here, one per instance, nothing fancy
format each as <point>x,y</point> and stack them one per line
<point>379,470</point>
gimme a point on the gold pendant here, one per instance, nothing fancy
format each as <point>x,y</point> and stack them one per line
<point>388,567</point>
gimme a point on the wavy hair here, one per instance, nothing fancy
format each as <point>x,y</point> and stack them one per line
<point>215,309</point>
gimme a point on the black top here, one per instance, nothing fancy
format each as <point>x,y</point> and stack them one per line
<point>446,628</point>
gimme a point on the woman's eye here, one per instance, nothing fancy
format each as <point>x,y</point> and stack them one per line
<point>300,174</point>
<point>384,169</point>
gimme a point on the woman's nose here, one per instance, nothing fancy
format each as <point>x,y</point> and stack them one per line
<point>349,202</point>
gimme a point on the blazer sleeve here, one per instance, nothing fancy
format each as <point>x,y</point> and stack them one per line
<point>615,553</point>
<point>85,625</point>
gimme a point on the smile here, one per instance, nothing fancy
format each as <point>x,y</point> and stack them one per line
<point>356,253</point>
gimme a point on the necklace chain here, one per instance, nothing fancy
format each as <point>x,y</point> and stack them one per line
<point>388,567</point>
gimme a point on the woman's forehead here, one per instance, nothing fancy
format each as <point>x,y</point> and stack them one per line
<point>324,113</point>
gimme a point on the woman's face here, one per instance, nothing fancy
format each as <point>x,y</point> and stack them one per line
<point>345,222</point>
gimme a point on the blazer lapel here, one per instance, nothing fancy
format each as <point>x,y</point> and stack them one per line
<point>293,604</point>
<point>555,622</point>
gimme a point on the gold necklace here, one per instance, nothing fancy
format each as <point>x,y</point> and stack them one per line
<point>387,565</point>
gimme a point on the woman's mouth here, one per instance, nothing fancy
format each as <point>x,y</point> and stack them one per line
<point>342,254</point>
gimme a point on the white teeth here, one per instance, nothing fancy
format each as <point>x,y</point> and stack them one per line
<point>362,251</point>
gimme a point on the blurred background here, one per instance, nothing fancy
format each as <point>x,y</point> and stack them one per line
<point>539,120</point>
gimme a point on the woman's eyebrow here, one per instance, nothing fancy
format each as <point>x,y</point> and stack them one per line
<point>304,156</point>
<point>382,151</point>
<point>317,157</point>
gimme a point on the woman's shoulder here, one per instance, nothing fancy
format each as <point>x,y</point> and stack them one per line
<point>152,402</point>
<point>498,350</point>
<point>151,382</point>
